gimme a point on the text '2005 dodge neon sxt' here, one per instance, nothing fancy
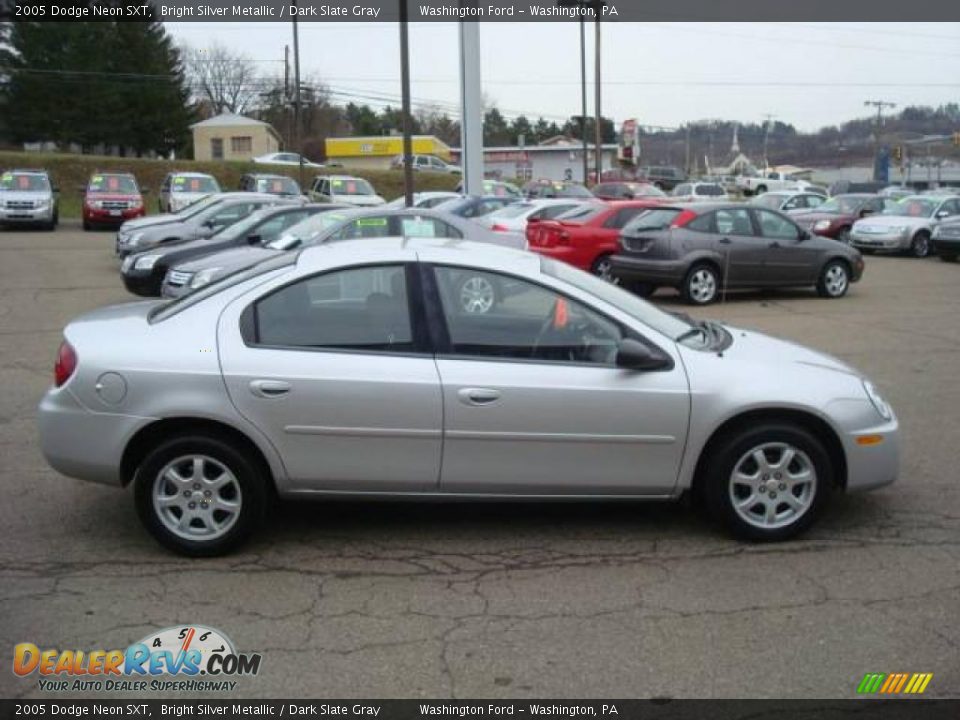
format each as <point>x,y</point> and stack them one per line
<point>351,370</point>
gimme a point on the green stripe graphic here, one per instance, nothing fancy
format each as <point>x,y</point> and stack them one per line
<point>871,682</point>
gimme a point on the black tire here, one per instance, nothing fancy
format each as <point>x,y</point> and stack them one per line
<point>920,245</point>
<point>253,488</point>
<point>86,226</point>
<point>834,280</point>
<point>761,189</point>
<point>735,448</point>
<point>948,257</point>
<point>700,274</point>
<point>602,268</point>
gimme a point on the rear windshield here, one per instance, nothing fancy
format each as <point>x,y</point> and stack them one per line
<point>278,186</point>
<point>582,214</point>
<point>123,184</point>
<point>511,211</point>
<point>24,182</point>
<point>169,309</point>
<point>351,186</point>
<point>194,185</point>
<point>709,190</point>
<point>652,220</point>
<point>770,200</point>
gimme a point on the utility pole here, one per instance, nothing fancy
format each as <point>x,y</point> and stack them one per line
<point>598,148</point>
<point>766,137</point>
<point>583,98</point>
<point>686,152</point>
<point>405,107</point>
<point>879,171</point>
<point>296,97</point>
<point>879,105</point>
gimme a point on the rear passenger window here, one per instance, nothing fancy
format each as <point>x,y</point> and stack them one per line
<point>704,223</point>
<point>361,309</point>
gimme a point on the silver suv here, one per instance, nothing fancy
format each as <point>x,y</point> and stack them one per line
<point>27,197</point>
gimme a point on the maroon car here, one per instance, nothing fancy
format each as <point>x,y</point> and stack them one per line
<point>623,190</point>
<point>836,216</point>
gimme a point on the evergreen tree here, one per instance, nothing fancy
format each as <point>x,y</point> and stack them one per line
<point>91,83</point>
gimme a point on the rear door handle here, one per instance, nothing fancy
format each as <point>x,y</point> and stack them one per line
<point>724,241</point>
<point>478,396</point>
<point>269,388</point>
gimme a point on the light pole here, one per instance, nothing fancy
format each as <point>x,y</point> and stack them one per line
<point>296,97</point>
<point>597,135</point>
<point>405,107</point>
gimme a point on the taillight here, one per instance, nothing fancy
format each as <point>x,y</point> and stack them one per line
<point>683,218</point>
<point>65,365</point>
<point>497,227</point>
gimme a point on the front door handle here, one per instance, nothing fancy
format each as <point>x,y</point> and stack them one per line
<point>478,396</point>
<point>269,388</point>
<point>724,241</point>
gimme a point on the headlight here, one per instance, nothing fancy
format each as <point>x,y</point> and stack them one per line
<point>204,277</point>
<point>146,262</point>
<point>136,203</point>
<point>821,225</point>
<point>879,404</point>
<point>40,204</point>
<point>96,204</point>
<point>135,238</point>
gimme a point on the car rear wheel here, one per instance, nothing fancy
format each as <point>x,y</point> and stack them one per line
<point>701,285</point>
<point>948,257</point>
<point>834,280</point>
<point>603,269</point>
<point>920,247</point>
<point>768,483</point>
<point>200,495</point>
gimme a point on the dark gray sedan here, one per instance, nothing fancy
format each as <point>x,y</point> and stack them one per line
<point>704,249</point>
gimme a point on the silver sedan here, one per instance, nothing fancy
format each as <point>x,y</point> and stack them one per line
<point>349,370</point>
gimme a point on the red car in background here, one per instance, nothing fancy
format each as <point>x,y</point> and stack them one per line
<point>586,238</point>
<point>109,199</point>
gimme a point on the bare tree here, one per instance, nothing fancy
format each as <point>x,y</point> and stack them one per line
<point>225,80</point>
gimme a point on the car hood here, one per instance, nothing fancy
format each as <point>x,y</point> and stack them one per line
<point>750,344</point>
<point>154,233</point>
<point>24,196</point>
<point>890,221</point>
<point>113,196</point>
<point>229,260</point>
<point>144,222</point>
<point>360,200</point>
<point>812,216</point>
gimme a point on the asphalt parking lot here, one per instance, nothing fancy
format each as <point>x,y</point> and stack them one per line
<point>572,600</point>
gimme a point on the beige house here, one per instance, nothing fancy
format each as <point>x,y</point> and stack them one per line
<point>233,137</point>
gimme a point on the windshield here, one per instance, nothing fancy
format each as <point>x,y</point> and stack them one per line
<point>770,200</point>
<point>166,310</point>
<point>278,186</point>
<point>914,206</point>
<point>500,189</point>
<point>351,186</point>
<point>122,184</point>
<point>645,190</point>
<point>670,325</point>
<point>582,214</point>
<point>24,182</point>
<point>306,231</point>
<point>844,205</point>
<point>652,220</point>
<point>198,206</point>
<point>203,184</point>
<point>242,227</point>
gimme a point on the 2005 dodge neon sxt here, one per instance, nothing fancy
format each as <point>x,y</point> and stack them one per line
<point>354,370</point>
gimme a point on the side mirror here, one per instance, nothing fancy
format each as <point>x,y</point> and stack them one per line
<point>804,235</point>
<point>942,214</point>
<point>254,239</point>
<point>634,355</point>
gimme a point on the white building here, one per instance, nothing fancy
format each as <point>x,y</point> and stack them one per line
<point>560,160</point>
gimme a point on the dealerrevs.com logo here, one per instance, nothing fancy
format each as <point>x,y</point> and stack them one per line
<point>193,658</point>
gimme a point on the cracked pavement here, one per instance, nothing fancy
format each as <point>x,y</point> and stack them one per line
<point>569,600</point>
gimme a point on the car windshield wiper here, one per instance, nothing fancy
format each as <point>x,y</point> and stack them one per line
<point>694,331</point>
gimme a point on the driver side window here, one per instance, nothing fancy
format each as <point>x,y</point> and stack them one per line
<point>773,225</point>
<point>495,316</point>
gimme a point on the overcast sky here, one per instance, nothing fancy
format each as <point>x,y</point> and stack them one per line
<point>808,74</point>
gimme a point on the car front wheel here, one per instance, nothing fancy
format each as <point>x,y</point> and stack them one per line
<point>769,482</point>
<point>199,495</point>
<point>834,280</point>
<point>920,247</point>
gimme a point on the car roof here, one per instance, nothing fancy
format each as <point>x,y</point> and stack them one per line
<point>271,176</point>
<point>190,173</point>
<point>440,250</point>
<point>27,171</point>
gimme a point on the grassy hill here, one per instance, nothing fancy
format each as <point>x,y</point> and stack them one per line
<point>70,172</point>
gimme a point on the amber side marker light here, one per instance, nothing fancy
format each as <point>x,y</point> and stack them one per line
<point>869,439</point>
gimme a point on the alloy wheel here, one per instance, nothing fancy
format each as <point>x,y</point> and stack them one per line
<point>703,286</point>
<point>835,280</point>
<point>772,485</point>
<point>197,497</point>
<point>477,295</point>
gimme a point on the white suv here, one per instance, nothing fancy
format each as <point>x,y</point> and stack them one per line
<point>27,197</point>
